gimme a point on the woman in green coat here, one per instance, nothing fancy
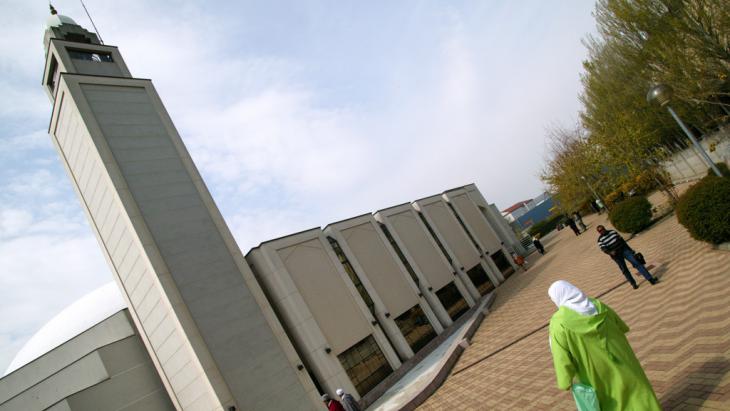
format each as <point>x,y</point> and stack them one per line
<point>587,340</point>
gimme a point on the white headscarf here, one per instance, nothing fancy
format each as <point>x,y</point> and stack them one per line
<point>566,294</point>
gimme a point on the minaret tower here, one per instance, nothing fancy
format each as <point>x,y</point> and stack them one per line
<point>205,321</point>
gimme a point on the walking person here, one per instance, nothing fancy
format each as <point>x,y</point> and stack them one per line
<point>331,404</point>
<point>595,207</point>
<point>348,401</point>
<point>519,260</point>
<point>572,225</point>
<point>588,343</point>
<point>538,245</point>
<point>614,245</point>
<point>579,220</point>
<point>600,205</point>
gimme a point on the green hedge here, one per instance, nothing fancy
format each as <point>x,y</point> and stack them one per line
<point>724,170</point>
<point>545,226</point>
<point>704,210</point>
<point>631,215</point>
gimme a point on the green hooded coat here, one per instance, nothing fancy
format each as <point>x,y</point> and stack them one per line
<point>594,348</point>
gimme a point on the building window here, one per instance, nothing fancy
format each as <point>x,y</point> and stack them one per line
<point>399,252</point>
<point>479,277</point>
<point>365,364</point>
<point>415,327</point>
<point>54,75</point>
<point>353,275</point>
<point>452,300</point>
<point>500,260</point>
<point>98,57</point>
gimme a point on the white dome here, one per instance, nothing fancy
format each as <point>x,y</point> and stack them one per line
<point>78,317</point>
<point>55,20</point>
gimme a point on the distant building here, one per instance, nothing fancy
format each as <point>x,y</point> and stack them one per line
<point>524,214</point>
<point>516,210</point>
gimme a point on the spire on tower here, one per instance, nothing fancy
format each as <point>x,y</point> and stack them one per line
<point>65,28</point>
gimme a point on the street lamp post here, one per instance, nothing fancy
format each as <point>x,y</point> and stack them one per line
<point>595,194</point>
<point>662,93</point>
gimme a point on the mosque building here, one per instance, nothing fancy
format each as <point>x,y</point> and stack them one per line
<point>192,323</point>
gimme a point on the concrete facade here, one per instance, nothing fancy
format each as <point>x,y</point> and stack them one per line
<point>206,328</point>
<point>191,295</point>
<point>685,163</point>
<point>318,303</point>
<point>496,221</point>
<point>424,256</point>
<point>384,276</point>
<point>105,367</point>
<point>463,254</point>
<point>486,239</point>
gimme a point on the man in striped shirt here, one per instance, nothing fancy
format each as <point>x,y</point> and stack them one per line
<point>614,245</point>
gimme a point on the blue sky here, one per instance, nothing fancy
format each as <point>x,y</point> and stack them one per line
<point>296,113</point>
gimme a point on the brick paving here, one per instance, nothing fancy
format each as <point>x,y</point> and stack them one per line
<point>680,328</point>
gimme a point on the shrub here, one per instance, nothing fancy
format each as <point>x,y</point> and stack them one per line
<point>724,170</point>
<point>631,215</point>
<point>704,210</point>
<point>646,182</point>
<point>545,226</point>
<point>641,184</point>
<point>615,197</point>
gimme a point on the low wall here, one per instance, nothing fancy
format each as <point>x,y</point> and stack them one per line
<point>687,164</point>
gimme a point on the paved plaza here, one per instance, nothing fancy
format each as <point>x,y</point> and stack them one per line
<point>680,328</point>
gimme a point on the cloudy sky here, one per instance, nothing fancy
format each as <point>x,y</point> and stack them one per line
<point>297,114</point>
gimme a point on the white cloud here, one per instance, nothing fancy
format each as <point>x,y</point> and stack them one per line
<point>40,183</point>
<point>10,145</point>
<point>280,136</point>
<point>14,222</point>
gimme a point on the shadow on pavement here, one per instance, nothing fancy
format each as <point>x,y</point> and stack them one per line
<point>688,387</point>
<point>659,270</point>
<point>526,277</point>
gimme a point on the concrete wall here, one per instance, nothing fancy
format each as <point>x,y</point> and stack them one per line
<point>383,274</point>
<point>317,302</point>
<point>423,254</point>
<point>105,367</point>
<point>496,220</point>
<point>687,164</point>
<point>462,252</point>
<point>196,304</point>
<point>479,227</point>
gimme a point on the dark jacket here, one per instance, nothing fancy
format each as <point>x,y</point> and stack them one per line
<point>611,241</point>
